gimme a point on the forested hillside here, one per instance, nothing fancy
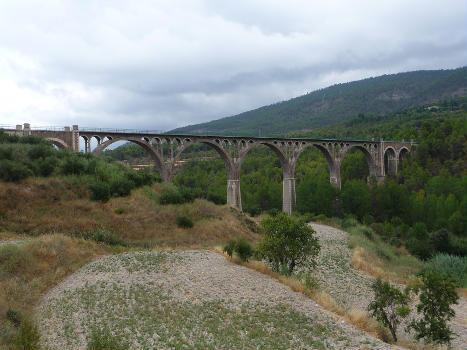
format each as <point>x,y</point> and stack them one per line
<point>374,96</point>
<point>425,203</point>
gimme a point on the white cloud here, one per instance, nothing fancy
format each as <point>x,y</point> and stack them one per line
<point>159,65</point>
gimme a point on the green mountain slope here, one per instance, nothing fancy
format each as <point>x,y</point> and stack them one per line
<point>337,103</point>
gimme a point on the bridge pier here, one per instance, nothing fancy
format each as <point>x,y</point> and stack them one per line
<point>234,197</point>
<point>335,176</point>
<point>288,194</point>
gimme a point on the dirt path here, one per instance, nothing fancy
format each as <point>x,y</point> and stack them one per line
<point>351,287</point>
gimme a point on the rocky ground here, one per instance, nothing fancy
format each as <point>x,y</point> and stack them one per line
<point>198,299</point>
<point>188,299</point>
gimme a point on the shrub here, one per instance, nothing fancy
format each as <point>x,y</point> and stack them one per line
<point>171,197</point>
<point>13,171</point>
<point>229,247</point>
<point>437,294</point>
<point>100,191</point>
<point>243,249</point>
<point>389,305</point>
<point>120,186</point>
<point>73,165</point>
<point>419,248</point>
<point>441,241</point>
<point>14,317</point>
<point>104,340</point>
<point>216,198</point>
<point>104,236</point>
<point>349,222</point>
<point>288,242</point>
<point>396,242</point>
<point>40,151</point>
<point>184,222</point>
<point>27,336</point>
<point>450,265</point>
<point>47,165</point>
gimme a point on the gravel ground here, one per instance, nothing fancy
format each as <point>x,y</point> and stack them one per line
<point>197,299</point>
<point>250,310</point>
<point>351,288</point>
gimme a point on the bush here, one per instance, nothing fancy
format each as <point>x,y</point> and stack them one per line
<point>27,336</point>
<point>120,186</point>
<point>100,191</point>
<point>450,265</point>
<point>13,171</point>
<point>184,222</point>
<point>47,166</point>
<point>171,197</point>
<point>420,248</point>
<point>287,242</point>
<point>349,222</point>
<point>104,340</point>
<point>243,249</point>
<point>216,198</point>
<point>40,151</point>
<point>104,236</point>
<point>441,241</point>
<point>73,165</point>
<point>14,317</point>
<point>437,294</point>
<point>229,247</point>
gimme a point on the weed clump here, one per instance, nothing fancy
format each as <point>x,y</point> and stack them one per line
<point>240,247</point>
<point>27,337</point>
<point>104,340</point>
<point>229,247</point>
<point>184,222</point>
<point>243,249</point>
<point>104,236</point>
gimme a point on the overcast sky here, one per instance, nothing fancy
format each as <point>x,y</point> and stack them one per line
<point>164,64</point>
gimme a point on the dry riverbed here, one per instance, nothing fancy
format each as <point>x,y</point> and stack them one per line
<point>188,299</point>
<point>198,299</point>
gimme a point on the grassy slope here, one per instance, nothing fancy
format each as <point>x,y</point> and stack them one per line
<point>43,206</point>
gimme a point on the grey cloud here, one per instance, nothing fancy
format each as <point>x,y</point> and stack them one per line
<point>168,64</point>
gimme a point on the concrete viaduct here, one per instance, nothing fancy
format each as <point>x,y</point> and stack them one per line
<point>382,156</point>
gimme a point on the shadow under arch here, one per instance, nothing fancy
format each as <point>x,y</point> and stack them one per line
<point>57,142</point>
<point>278,189</point>
<point>316,185</point>
<point>390,162</point>
<point>403,153</point>
<point>370,161</point>
<point>207,172</point>
<point>152,152</point>
<point>214,145</point>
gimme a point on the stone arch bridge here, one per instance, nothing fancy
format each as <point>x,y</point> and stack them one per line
<point>383,157</point>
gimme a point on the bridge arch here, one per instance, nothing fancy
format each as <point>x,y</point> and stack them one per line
<point>147,146</point>
<point>390,161</point>
<point>367,149</point>
<point>58,142</point>
<point>403,152</point>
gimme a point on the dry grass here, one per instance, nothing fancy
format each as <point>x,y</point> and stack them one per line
<point>45,206</point>
<point>374,266</point>
<point>358,318</point>
<point>29,269</point>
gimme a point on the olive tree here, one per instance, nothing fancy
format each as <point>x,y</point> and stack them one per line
<point>389,305</point>
<point>287,242</point>
<point>437,294</point>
